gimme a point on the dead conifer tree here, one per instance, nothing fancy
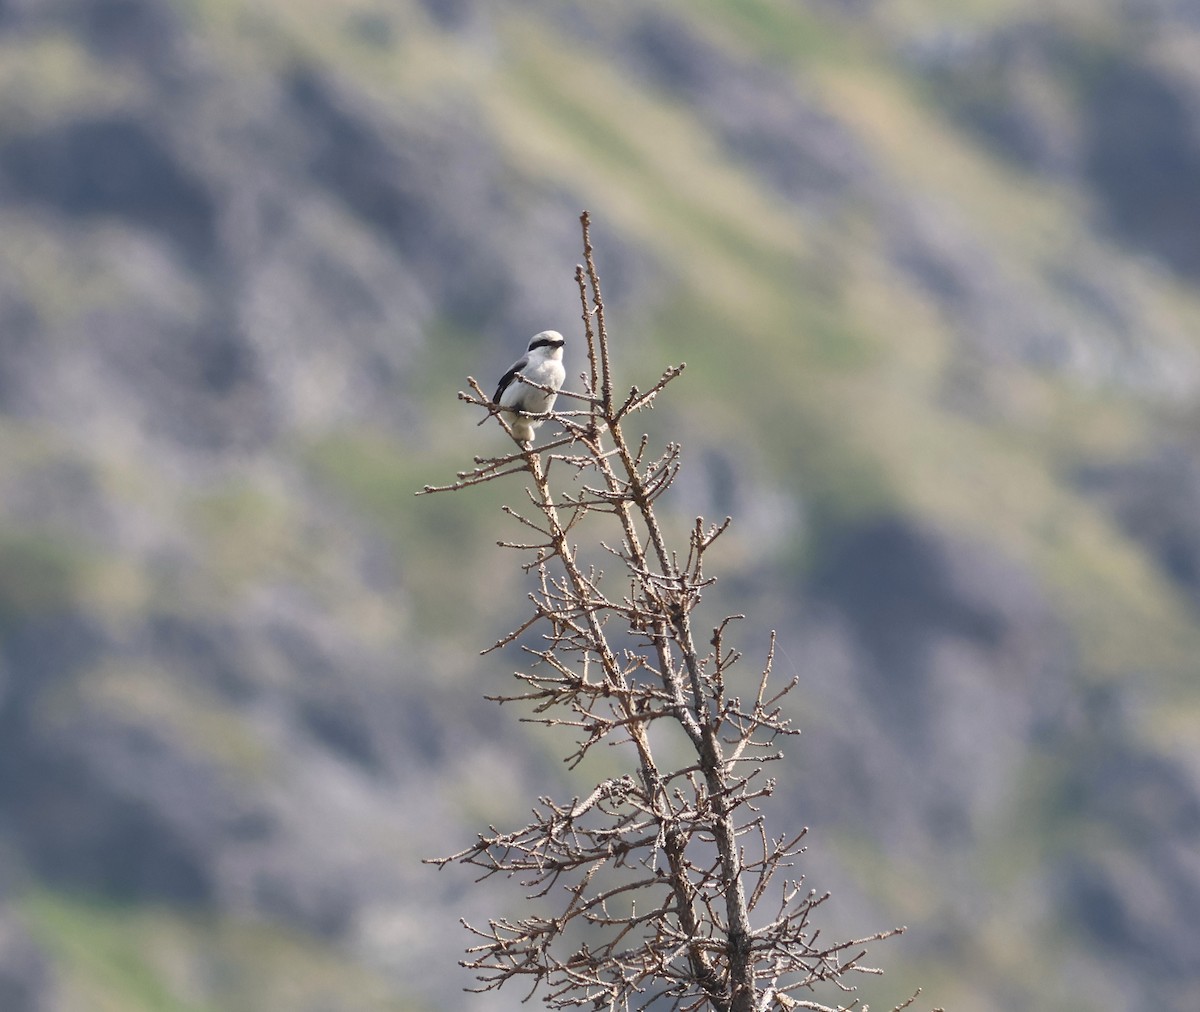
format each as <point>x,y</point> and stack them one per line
<point>664,886</point>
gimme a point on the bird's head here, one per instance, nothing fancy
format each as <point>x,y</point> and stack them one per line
<point>548,343</point>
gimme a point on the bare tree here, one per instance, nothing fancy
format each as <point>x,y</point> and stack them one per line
<point>664,886</point>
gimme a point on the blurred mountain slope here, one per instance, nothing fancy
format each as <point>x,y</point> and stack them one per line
<point>940,323</point>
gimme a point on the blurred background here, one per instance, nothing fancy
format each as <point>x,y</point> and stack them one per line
<point>935,270</point>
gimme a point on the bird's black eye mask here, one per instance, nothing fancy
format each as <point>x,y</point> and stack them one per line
<point>546,342</point>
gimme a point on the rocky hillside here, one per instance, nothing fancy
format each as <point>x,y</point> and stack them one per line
<point>935,272</point>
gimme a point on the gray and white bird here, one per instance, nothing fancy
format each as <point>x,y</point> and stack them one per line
<point>542,364</point>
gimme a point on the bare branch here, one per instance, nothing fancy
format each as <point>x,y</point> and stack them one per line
<point>642,889</point>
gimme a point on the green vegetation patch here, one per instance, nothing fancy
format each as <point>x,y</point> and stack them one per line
<point>437,542</point>
<point>249,534</point>
<point>51,77</point>
<point>782,29</point>
<point>39,572</point>
<point>109,957</point>
<point>118,958</point>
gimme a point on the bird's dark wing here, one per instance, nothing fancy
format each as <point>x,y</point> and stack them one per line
<point>509,376</point>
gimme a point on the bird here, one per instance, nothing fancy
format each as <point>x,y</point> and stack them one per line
<point>541,364</point>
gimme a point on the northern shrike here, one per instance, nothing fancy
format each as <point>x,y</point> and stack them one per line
<point>542,364</point>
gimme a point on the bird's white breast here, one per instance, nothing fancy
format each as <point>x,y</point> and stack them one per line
<point>545,370</point>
